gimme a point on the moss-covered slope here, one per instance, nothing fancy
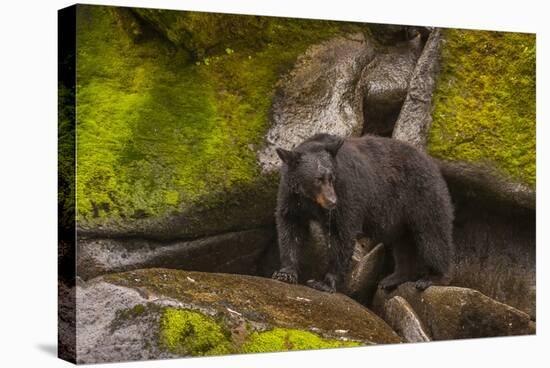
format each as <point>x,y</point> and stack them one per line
<point>484,103</point>
<point>166,122</point>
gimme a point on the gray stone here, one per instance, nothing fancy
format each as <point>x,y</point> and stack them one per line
<point>236,252</point>
<point>459,313</point>
<point>403,319</point>
<point>318,96</point>
<point>415,118</point>
<point>366,270</point>
<point>494,229</point>
<point>384,85</point>
<point>100,339</point>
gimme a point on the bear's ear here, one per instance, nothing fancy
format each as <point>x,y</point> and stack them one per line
<point>288,157</point>
<point>334,145</point>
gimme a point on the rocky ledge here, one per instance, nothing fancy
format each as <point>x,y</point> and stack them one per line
<point>161,313</point>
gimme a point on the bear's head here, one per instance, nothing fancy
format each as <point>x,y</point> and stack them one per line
<point>310,169</point>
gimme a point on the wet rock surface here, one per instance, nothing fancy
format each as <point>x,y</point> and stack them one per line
<point>403,319</point>
<point>415,117</point>
<point>235,252</point>
<point>384,85</point>
<point>366,270</point>
<point>236,212</point>
<point>318,95</point>
<point>458,313</point>
<point>496,252</point>
<point>123,316</point>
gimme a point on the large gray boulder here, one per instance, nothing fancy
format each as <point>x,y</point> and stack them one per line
<point>415,117</point>
<point>161,313</point>
<point>232,252</point>
<point>403,319</point>
<point>456,312</point>
<point>319,95</point>
<point>385,84</point>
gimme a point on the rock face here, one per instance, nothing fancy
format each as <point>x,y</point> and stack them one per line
<point>234,252</point>
<point>415,117</point>
<point>496,249</point>
<point>384,85</point>
<point>318,96</point>
<point>161,313</point>
<point>456,313</point>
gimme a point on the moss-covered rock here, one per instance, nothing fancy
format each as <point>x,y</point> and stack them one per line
<point>161,313</point>
<point>207,34</point>
<point>281,339</point>
<point>187,332</point>
<point>161,134</point>
<point>484,103</point>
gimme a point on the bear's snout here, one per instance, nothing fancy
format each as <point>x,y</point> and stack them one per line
<point>327,199</point>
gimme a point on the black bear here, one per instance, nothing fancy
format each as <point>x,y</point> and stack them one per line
<point>386,189</point>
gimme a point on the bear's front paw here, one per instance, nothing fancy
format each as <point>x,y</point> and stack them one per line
<point>321,286</point>
<point>423,284</point>
<point>288,276</point>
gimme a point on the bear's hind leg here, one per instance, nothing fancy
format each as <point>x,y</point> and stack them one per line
<point>436,251</point>
<point>404,257</point>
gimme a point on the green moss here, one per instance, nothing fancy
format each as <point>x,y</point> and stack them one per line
<point>66,159</point>
<point>204,34</point>
<point>187,332</point>
<point>281,339</point>
<point>484,103</point>
<point>158,133</point>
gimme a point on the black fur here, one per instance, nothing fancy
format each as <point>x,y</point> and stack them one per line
<point>383,188</point>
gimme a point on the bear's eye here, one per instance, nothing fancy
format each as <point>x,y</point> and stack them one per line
<point>319,180</point>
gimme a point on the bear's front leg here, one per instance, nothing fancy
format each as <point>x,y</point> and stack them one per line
<point>291,235</point>
<point>340,252</point>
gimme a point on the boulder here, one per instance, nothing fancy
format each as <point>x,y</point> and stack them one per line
<point>233,252</point>
<point>404,320</point>
<point>457,313</point>
<point>319,95</point>
<point>162,313</point>
<point>385,83</point>
<point>366,270</point>
<point>415,117</point>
